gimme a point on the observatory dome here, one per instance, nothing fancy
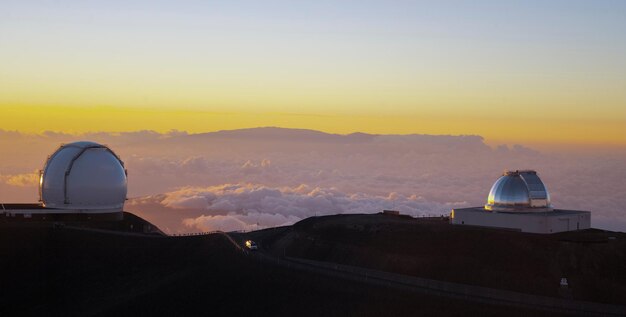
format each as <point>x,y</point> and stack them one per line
<point>519,191</point>
<point>83,176</point>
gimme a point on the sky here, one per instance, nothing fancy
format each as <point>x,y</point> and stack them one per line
<point>453,92</point>
<point>543,73</point>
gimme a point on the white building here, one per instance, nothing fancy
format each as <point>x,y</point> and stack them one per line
<point>519,200</point>
<point>80,181</point>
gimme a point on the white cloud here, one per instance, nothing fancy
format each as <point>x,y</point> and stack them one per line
<point>252,206</point>
<point>22,180</point>
<point>355,173</point>
<point>238,222</point>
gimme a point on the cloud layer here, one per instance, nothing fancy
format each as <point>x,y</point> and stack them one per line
<point>21,180</point>
<point>248,206</point>
<point>186,182</point>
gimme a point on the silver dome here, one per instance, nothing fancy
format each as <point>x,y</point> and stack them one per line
<point>83,176</point>
<point>521,191</point>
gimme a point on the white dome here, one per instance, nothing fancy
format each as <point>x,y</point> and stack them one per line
<point>521,191</point>
<point>84,176</point>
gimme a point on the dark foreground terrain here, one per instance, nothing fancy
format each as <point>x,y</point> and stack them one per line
<point>78,272</point>
<point>593,261</point>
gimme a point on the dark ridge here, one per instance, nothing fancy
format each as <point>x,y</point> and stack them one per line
<point>129,223</point>
<point>284,134</point>
<point>62,271</point>
<point>592,260</point>
<point>313,136</point>
<point>104,270</point>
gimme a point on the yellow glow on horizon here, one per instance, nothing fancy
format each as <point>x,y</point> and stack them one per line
<point>523,130</point>
<point>550,75</point>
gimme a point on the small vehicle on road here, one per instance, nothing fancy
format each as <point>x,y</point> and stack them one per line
<point>251,245</point>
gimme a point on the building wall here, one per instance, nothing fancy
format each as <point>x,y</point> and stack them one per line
<point>38,215</point>
<point>525,222</point>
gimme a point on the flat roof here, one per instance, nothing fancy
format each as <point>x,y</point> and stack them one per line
<point>38,208</point>
<point>9,207</point>
<point>552,213</point>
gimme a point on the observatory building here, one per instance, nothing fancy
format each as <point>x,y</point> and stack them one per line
<point>519,200</point>
<point>80,181</point>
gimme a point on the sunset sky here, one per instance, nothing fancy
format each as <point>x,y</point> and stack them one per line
<point>533,72</point>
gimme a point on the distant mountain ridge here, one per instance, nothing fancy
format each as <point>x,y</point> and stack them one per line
<point>260,135</point>
<point>289,134</point>
<point>270,132</point>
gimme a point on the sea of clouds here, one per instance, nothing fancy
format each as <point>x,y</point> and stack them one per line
<point>258,178</point>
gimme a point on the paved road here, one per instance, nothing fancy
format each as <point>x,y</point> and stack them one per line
<point>431,287</point>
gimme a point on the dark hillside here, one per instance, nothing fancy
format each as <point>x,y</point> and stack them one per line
<point>593,261</point>
<point>69,272</point>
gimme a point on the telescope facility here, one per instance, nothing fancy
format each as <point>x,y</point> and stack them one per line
<point>520,201</point>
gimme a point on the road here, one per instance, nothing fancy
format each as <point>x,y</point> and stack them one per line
<point>426,286</point>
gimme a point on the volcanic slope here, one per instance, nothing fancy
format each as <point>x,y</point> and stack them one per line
<point>593,261</point>
<point>79,272</point>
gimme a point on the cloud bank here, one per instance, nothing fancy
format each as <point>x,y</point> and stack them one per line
<point>21,180</point>
<point>254,206</point>
<point>252,178</point>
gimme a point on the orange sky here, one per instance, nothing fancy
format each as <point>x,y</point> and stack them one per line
<point>525,130</point>
<point>524,72</point>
